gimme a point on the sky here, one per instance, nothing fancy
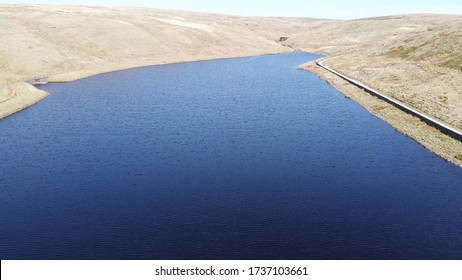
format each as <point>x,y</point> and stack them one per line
<point>335,9</point>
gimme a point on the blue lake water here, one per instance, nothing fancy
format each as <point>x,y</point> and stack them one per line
<point>243,158</point>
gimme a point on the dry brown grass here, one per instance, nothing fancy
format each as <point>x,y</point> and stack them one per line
<point>50,40</point>
<point>416,59</point>
<point>67,42</point>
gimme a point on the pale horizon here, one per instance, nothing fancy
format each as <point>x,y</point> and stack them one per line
<point>333,9</point>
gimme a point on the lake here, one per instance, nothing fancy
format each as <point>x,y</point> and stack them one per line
<point>245,158</point>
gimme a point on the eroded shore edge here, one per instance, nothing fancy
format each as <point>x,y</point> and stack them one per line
<point>21,95</point>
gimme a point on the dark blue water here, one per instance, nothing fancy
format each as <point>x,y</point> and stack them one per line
<point>243,158</point>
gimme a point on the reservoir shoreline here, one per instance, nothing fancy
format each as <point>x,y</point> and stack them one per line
<point>428,136</point>
<point>24,95</point>
<point>411,58</point>
<point>443,127</point>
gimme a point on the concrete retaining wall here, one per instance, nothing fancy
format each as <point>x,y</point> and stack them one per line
<point>444,128</point>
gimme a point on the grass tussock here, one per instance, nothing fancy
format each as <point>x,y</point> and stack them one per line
<point>401,52</point>
<point>454,63</point>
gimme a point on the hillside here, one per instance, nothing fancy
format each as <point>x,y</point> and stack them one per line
<point>415,58</point>
<point>69,42</point>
